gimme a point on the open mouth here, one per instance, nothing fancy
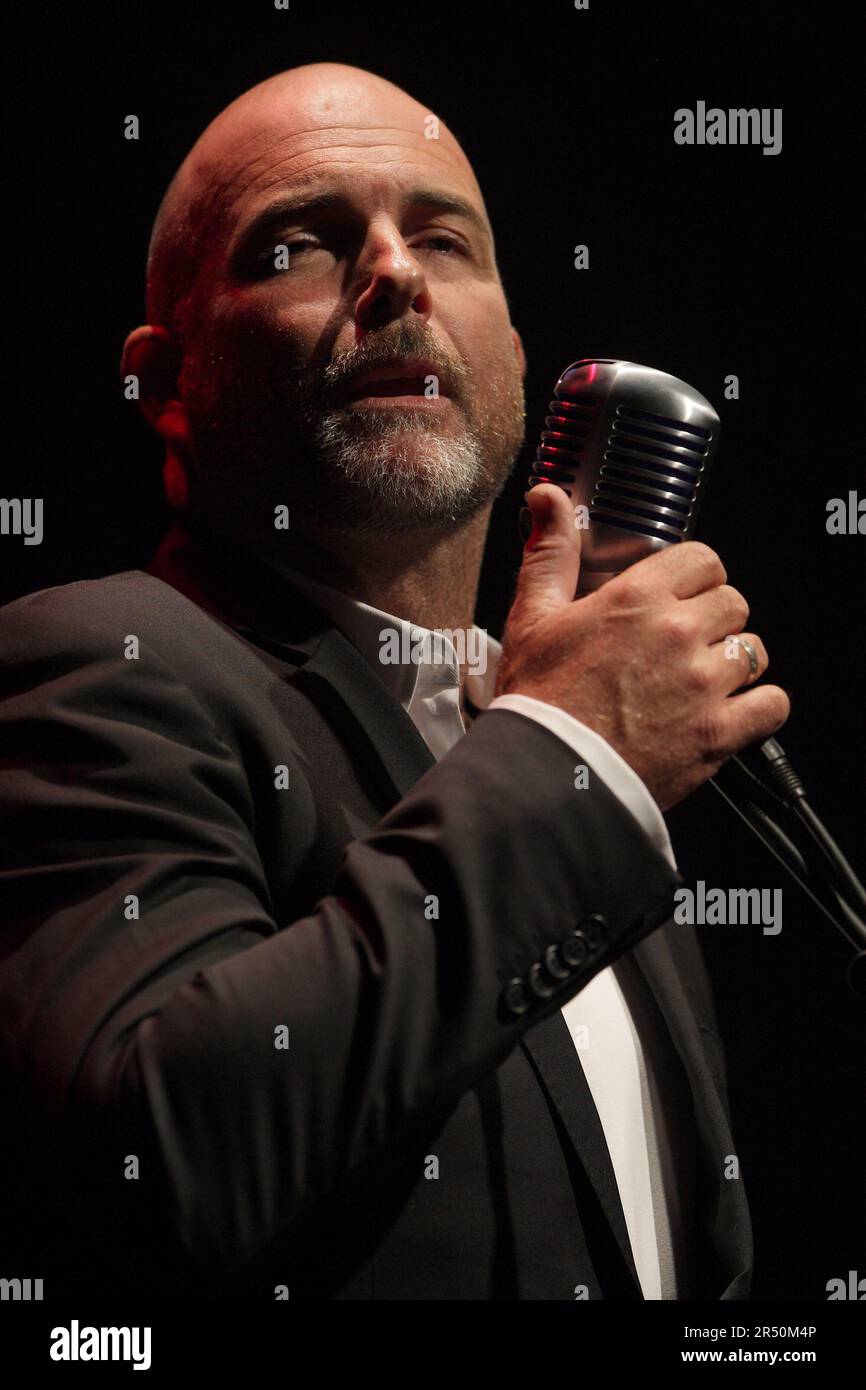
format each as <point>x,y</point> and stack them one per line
<point>410,380</point>
<point>395,386</point>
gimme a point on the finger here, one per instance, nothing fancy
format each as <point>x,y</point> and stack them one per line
<point>737,664</point>
<point>746,719</point>
<point>551,557</point>
<point>685,569</point>
<point>717,613</point>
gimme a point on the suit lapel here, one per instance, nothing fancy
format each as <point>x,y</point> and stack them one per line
<point>731,1228</point>
<point>550,1047</point>
<point>340,680</point>
<point>273,615</point>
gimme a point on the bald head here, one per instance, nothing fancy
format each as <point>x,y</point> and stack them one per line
<point>305,108</point>
<point>326,227</point>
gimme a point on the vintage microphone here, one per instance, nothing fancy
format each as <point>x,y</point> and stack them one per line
<point>632,447</point>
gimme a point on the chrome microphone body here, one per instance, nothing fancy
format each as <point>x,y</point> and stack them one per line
<point>632,447</point>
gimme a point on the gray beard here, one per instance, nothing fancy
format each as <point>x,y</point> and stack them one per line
<point>262,442</point>
<point>386,480</point>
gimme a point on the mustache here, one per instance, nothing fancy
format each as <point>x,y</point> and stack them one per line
<point>324,386</point>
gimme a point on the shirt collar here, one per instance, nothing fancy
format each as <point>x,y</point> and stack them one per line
<point>411,660</point>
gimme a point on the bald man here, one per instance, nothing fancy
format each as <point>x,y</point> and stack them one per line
<point>343,956</point>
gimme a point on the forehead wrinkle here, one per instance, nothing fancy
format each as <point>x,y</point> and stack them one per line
<point>317,174</point>
<point>251,172</point>
<point>262,130</point>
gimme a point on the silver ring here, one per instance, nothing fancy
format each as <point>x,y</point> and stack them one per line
<point>749,649</point>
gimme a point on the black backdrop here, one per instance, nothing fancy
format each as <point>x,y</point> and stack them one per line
<point>703,261</point>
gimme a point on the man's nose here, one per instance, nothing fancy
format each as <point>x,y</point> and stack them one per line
<point>395,284</point>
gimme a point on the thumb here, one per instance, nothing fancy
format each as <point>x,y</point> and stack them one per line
<point>551,556</point>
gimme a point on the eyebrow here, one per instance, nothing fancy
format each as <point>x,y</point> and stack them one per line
<point>298,207</point>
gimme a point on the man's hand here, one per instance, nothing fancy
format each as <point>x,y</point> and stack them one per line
<point>643,660</point>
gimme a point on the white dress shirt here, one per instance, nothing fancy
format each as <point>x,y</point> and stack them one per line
<point>624,1073</point>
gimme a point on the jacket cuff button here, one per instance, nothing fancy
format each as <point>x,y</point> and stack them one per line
<point>541,987</point>
<point>575,950</point>
<point>514,997</point>
<point>553,964</point>
<point>594,928</point>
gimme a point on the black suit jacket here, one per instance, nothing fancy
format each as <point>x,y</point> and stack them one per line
<point>174,914</point>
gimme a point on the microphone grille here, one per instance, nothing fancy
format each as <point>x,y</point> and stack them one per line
<point>567,429</point>
<point>650,475</point>
<point>637,470</point>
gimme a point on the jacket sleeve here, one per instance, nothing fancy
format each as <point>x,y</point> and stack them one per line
<point>259,1069</point>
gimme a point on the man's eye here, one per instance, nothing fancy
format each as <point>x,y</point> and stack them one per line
<point>275,255</point>
<point>448,242</point>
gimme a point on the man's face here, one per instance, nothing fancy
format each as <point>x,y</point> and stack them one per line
<point>376,219</point>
